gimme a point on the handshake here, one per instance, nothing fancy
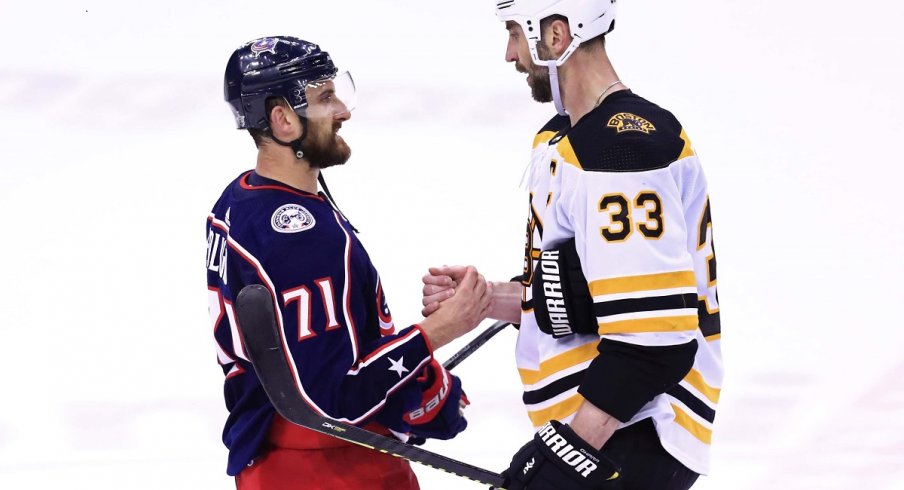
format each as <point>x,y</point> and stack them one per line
<point>456,299</point>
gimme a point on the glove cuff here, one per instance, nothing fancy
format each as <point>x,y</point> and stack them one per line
<point>436,386</point>
<point>560,444</point>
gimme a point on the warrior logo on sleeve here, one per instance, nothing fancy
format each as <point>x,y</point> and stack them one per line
<point>292,218</point>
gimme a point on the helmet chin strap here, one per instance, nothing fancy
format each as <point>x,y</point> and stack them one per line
<point>299,154</point>
<point>294,145</point>
<point>554,85</point>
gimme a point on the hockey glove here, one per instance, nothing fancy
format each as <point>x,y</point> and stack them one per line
<point>558,459</point>
<point>562,301</point>
<point>439,415</point>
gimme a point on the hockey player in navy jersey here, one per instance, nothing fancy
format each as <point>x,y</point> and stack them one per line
<point>271,226</point>
<point>619,341</point>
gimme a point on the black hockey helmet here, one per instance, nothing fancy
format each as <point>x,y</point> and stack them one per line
<point>280,66</point>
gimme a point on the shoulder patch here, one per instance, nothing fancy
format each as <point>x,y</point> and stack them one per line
<point>625,121</point>
<point>625,134</point>
<point>292,218</point>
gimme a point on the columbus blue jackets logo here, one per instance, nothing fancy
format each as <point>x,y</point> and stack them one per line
<point>625,121</point>
<point>292,218</point>
<point>267,44</point>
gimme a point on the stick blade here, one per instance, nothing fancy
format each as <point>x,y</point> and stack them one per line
<point>259,330</point>
<point>262,340</point>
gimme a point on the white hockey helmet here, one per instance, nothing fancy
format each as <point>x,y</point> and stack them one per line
<point>587,19</point>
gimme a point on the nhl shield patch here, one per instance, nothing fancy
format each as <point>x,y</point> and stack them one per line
<point>625,121</point>
<point>292,218</point>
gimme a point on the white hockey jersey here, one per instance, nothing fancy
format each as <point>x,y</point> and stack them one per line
<point>627,185</point>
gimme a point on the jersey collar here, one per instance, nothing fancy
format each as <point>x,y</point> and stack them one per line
<point>252,181</point>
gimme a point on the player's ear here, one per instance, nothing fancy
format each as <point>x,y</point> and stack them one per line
<point>277,117</point>
<point>283,124</point>
<point>559,35</point>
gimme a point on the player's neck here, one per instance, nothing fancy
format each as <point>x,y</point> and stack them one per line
<point>279,163</point>
<point>587,79</point>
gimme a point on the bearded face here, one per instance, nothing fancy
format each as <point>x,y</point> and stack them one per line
<point>324,115</point>
<point>538,80</point>
<point>322,145</point>
<point>518,52</point>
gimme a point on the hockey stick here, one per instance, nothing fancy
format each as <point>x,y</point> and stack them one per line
<point>475,344</point>
<point>262,340</point>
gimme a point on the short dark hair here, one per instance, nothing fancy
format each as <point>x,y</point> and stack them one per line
<point>586,44</point>
<point>258,135</point>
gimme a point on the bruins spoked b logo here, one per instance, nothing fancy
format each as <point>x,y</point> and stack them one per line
<point>292,218</point>
<point>625,121</point>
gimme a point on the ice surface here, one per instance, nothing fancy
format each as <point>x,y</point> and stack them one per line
<point>115,143</point>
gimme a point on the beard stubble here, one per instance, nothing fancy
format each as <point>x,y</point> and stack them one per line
<point>324,148</point>
<point>540,86</point>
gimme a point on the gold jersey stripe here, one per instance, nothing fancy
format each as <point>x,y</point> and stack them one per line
<point>695,428</point>
<point>543,137</point>
<point>646,282</point>
<point>714,337</point>
<point>695,379</point>
<point>688,150</point>
<point>559,362</point>
<point>644,325</point>
<point>558,411</point>
<point>565,149</point>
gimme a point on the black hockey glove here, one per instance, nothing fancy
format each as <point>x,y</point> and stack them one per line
<point>562,301</point>
<point>557,459</point>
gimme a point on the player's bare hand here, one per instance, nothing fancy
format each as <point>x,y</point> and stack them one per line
<point>458,315</point>
<point>456,272</point>
<point>439,285</point>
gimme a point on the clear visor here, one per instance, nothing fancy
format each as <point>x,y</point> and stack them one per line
<point>329,98</point>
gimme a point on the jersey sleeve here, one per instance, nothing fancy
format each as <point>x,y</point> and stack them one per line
<point>318,279</point>
<point>631,238</point>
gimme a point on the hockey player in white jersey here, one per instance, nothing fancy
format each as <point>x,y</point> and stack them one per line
<point>619,341</point>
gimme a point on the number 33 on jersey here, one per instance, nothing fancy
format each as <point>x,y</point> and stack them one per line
<point>626,185</point>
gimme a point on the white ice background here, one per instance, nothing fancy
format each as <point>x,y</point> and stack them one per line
<point>115,142</point>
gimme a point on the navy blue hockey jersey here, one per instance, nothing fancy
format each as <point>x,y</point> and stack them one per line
<point>349,362</point>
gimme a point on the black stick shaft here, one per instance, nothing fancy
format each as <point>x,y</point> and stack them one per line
<point>475,344</point>
<point>265,347</point>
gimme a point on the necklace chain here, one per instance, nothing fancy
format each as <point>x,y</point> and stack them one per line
<point>599,100</point>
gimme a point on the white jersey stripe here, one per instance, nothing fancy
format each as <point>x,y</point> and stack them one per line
<point>640,315</point>
<point>268,283</point>
<point>700,396</point>
<point>652,339</point>
<point>346,291</point>
<point>237,345</point>
<point>386,349</point>
<point>557,376</point>
<point>602,298</point>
